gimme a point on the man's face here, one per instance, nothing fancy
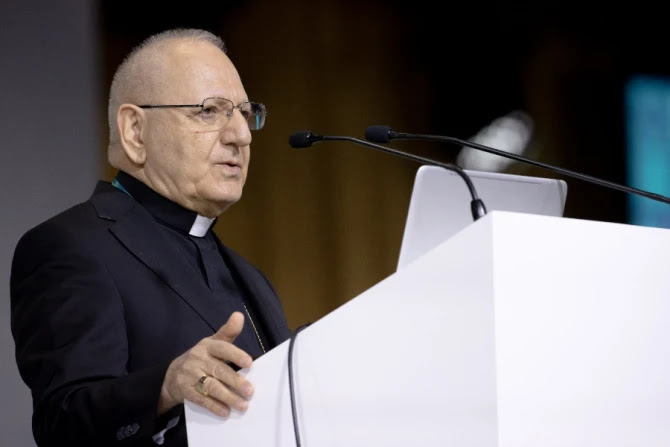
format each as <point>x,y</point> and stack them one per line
<point>200,168</point>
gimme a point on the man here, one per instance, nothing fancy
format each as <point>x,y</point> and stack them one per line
<point>127,304</point>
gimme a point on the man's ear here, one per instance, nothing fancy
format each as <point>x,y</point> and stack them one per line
<point>131,122</point>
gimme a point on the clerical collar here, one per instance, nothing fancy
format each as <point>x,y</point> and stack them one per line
<point>163,209</point>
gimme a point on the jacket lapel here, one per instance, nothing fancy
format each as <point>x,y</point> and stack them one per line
<point>260,292</point>
<point>139,233</point>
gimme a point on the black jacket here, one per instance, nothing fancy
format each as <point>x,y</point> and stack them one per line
<point>101,303</point>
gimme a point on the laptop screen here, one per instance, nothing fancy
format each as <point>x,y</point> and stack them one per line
<point>440,204</point>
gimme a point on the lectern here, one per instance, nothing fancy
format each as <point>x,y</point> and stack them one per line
<point>520,330</point>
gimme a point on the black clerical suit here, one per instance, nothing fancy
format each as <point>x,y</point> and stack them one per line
<point>106,294</point>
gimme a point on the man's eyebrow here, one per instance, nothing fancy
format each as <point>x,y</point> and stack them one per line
<point>246,99</point>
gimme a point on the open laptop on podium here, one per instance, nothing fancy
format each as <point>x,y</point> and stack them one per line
<point>440,204</point>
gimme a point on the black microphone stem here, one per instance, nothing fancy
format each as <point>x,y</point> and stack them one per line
<point>476,206</point>
<point>407,136</point>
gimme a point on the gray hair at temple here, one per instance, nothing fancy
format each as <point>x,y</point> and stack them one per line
<point>138,76</point>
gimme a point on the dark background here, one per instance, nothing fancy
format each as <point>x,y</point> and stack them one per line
<point>332,217</point>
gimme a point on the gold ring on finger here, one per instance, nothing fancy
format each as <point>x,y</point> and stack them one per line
<point>200,385</point>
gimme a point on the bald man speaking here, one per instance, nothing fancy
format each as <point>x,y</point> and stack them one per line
<point>127,304</point>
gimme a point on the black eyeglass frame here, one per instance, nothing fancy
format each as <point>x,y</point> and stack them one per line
<point>202,106</point>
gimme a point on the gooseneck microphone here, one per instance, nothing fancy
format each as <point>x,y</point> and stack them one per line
<point>303,139</point>
<point>384,134</point>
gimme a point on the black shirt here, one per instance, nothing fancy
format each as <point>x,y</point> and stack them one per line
<point>202,251</point>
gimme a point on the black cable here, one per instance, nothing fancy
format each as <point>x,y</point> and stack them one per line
<point>290,382</point>
<point>477,206</point>
<point>305,138</point>
<point>556,169</point>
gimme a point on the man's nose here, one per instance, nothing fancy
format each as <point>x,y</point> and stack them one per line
<point>237,131</point>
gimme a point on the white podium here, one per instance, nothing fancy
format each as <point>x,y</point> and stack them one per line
<point>521,330</point>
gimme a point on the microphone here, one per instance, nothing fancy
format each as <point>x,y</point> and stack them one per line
<point>384,134</point>
<point>305,138</point>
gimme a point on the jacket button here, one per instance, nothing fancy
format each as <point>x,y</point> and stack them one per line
<point>127,431</point>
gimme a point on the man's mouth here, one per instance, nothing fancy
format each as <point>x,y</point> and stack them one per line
<point>232,164</point>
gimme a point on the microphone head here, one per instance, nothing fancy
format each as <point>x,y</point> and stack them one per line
<point>301,139</point>
<point>378,134</point>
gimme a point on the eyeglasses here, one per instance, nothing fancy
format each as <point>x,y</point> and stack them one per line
<point>215,112</point>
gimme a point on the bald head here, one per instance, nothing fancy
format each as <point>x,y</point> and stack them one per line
<point>145,74</point>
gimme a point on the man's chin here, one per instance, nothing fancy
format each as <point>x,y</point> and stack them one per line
<point>220,203</point>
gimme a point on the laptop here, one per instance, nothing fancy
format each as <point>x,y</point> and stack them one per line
<point>440,204</point>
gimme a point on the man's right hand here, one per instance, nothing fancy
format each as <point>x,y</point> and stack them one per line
<point>224,387</point>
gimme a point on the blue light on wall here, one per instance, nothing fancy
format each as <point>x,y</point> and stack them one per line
<point>648,148</point>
